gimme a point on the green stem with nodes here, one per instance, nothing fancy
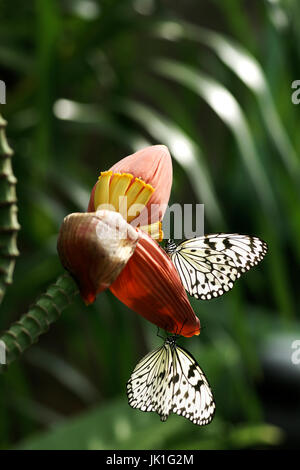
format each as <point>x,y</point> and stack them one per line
<point>26,331</point>
<point>8,213</point>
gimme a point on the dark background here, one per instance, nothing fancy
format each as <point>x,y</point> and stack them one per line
<point>89,83</point>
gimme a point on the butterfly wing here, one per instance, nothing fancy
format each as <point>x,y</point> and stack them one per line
<point>170,380</point>
<point>208,266</point>
<point>192,395</point>
<point>149,387</point>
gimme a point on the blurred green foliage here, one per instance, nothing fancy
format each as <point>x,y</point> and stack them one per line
<point>89,82</point>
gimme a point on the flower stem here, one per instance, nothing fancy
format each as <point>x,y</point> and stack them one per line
<point>26,331</point>
<point>8,213</point>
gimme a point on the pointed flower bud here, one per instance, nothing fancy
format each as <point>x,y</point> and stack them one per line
<point>138,187</point>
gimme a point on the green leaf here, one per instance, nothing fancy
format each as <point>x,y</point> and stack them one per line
<point>187,153</point>
<point>227,108</point>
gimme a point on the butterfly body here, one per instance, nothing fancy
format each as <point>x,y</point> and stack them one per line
<point>169,380</point>
<point>208,266</point>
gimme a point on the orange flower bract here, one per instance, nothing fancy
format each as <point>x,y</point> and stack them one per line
<point>149,284</point>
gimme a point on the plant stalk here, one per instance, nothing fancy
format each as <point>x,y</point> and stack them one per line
<point>26,331</point>
<point>9,225</point>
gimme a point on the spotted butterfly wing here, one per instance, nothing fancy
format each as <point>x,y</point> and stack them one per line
<point>169,380</point>
<point>208,266</point>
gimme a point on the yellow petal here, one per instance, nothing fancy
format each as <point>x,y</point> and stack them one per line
<point>118,187</point>
<point>101,196</point>
<point>134,190</point>
<point>136,205</point>
<point>154,230</point>
<point>115,192</point>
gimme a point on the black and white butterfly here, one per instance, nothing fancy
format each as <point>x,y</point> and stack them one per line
<point>209,265</point>
<point>169,379</point>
